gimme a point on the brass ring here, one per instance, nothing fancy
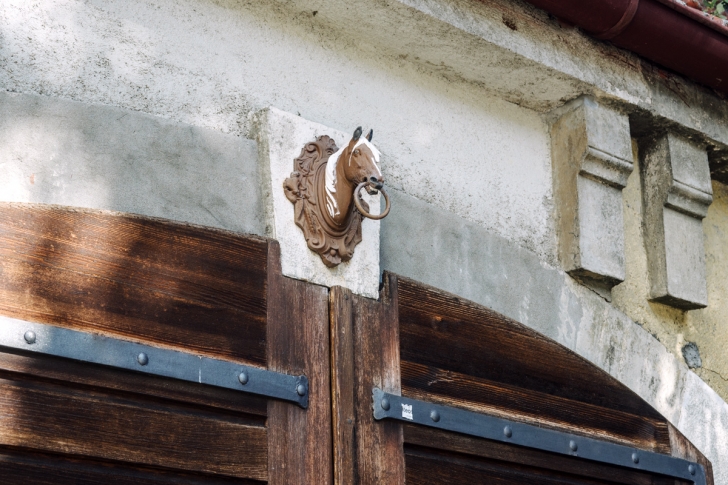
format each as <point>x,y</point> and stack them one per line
<point>361,209</point>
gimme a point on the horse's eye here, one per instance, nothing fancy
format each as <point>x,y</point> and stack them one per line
<point>356,152</point>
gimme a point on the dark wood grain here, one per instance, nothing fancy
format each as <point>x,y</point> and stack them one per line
<point>222,294</point>
<point>24,468</point>
<point>379,455</point>
<point>533,407</point>
<point>80,375</point>
<point>426,466</point>
<point>45,417</point>
<point>145,279</point>
<point>422,439</point>
<point>343,412</point>
<point>300,446</point>
<point>443,335</point>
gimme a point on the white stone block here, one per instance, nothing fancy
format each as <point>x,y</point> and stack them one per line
<point>281,136</point>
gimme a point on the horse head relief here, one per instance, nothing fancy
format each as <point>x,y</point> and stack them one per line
<point>325,189</point>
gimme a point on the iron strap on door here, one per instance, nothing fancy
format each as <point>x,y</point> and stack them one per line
<point>97,349</point>
<point>390,406</point>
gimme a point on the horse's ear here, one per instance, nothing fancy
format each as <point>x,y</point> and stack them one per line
<point>370,135</point>
<point>357,133</point>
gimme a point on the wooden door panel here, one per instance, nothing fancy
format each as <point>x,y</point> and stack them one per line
<point>364,339</point>
<point>437,446</point>
<point>79,375</point>
<point>428,467</point>
<point>469,355</point>
<point>528,406</point>
<point>41,416</point>
<point>149,280</point>
<point>198,290</point>
<point>49,469</point>
<point>460,355</point>
<point>299,440</point>
<point>219,294</point>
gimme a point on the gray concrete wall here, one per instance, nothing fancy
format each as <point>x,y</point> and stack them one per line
<point>63,152</point>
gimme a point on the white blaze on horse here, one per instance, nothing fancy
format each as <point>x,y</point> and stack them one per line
<point>354,166</point>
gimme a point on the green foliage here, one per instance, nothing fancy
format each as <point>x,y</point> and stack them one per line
<point>719,8</point>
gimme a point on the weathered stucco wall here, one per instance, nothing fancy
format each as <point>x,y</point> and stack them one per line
<point>708,328</point>
<point>437,137</point>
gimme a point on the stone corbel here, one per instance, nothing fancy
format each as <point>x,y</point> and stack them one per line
<point>677,192</point>
<point>592,159</point>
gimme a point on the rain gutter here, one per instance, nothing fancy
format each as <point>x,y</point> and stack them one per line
<point>667,32</point>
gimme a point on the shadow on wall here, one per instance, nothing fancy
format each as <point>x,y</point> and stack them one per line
<point>67,153</point>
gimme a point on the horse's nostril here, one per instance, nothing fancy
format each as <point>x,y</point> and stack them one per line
<point>376,182</point>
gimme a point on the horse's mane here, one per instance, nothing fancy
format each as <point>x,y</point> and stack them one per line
<point>331,165</point>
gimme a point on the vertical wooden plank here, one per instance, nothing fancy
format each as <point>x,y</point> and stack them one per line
<point>299,440</point>
<point>380,452</point>
<point>342,384</point>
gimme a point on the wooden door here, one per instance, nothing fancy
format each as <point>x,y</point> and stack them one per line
<point>172,286</point>
<point>220,295</point>
<point>434,347</point>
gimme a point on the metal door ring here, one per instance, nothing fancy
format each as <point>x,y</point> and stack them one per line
<point>361,209</point>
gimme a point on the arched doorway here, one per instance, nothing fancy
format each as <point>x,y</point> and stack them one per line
<point>472,396</point>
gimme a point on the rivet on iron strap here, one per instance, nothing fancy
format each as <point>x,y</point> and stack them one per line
<point>97,349</point>
<point>390,406</point>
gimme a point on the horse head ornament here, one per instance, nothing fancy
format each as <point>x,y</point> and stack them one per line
<point>325,189</point>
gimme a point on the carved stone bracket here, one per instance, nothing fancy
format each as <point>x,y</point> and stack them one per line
<point>592,158</point>
<point>677,193</point>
